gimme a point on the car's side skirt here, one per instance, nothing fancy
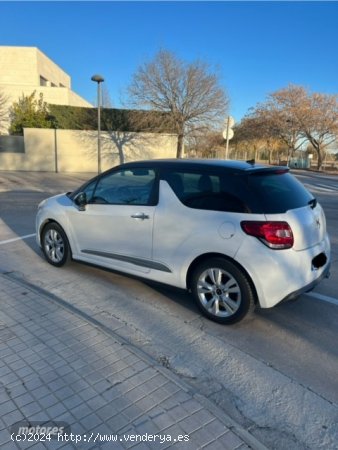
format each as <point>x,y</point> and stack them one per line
<point>129,259</point>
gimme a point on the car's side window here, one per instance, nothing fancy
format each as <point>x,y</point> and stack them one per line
<point>185,184</point>
<point>89,190</point>
<point>207,191</point>
<point>126,187</point>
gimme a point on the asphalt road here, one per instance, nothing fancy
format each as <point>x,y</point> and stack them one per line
<point>276,374</point>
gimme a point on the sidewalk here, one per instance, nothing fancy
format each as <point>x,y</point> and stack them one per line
<point>59,365</point>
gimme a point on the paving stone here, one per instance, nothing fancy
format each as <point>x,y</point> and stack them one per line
<point>4,438</point>
<point>117,423</point>
<point>178,413</point>
<point>81,411</point>
<point>96,402</point>
<point>56,410</point>
<point>64,393</point>
<point>91,422</point>
<point>17,390</point>
<point>48,400</point>
<point>40,392</point>
<point>163,421</point>
<point>60,367</point>
<point>155,411</point>
<point>217,428</point>
<point>87,393</point>
<point>230,440</point>
<point>12,417</point>
<point>72,402</point>
<point>106,412</point>
<point>7,407</point>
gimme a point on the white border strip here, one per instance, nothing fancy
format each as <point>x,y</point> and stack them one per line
<point>8,241</point>
<point>324,298</point>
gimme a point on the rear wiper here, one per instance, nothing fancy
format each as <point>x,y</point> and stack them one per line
<point>313,203</point>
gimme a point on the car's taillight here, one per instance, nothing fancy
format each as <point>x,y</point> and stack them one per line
<point>276,235</point>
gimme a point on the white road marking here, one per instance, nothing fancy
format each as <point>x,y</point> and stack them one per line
<point>20,238</point>
<point>324,298</point>
<point>316,188</point>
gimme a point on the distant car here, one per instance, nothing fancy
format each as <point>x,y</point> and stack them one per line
<point>235,234</point>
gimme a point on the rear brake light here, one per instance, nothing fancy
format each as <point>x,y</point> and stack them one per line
<point>276,235</point>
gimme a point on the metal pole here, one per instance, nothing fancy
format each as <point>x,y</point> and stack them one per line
<point>227,139</point>
<point>56,150</point>
<point>98,79</point>
<point>99,127</point>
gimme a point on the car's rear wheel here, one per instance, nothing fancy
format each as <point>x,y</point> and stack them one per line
<point>55,244</point>
<point>222,291</point>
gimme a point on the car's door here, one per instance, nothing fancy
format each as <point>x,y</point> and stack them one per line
<point>116,226</point>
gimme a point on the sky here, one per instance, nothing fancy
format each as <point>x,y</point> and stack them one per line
<point>256,47</point>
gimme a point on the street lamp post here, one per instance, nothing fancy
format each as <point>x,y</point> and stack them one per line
<point>56,146</point>
<point>98,79</point>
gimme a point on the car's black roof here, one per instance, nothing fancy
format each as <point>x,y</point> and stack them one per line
<point>231,165</point>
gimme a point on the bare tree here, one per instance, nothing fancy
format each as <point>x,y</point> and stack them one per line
<point>208,144</point>
<point>296,116</point>
<point>3,111</point>
<point>256,131</point>
<point>189,92</point>
<point>319,122</point>
<point>278,115</point>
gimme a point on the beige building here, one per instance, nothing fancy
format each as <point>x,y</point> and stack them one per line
<point>26,69</point>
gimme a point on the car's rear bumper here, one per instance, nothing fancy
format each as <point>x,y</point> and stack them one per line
<point>283,274</point>
<point>310,286</point>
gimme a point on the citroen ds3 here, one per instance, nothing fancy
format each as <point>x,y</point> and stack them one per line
<point>235,234</point>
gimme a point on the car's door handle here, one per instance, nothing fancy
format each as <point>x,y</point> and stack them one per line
<point>141,216</point>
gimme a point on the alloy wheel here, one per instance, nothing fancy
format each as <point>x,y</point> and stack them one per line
<point>219,292</point>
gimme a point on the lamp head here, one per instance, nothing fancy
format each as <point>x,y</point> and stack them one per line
<point>97,78</point>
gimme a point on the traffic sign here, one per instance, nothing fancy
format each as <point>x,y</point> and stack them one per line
<point>229,121</point>
<point>228,134</point>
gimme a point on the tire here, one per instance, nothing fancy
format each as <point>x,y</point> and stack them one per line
<point>222,291</point>
<point>55,245</point>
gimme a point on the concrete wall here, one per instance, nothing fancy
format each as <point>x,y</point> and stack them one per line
<point>76,151</point>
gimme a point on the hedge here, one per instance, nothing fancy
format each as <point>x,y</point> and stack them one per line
<point>112,119</point>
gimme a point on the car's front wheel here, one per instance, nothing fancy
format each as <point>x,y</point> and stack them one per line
<point>55,244</point>
<point>222,291</point>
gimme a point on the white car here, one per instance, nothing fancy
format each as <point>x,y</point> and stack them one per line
<point>235,234</point>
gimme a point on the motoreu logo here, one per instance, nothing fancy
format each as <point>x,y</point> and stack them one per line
<point>50,429</point>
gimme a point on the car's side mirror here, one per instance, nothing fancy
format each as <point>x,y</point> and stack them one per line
<point>80,200</point>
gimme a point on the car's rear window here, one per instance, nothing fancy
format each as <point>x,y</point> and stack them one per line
<point>209,190</point>
<point>278,192</point>
<point>257,192</point>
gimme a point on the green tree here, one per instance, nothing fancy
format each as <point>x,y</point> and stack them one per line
<point>29,112</point>
<point>189,92</point>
